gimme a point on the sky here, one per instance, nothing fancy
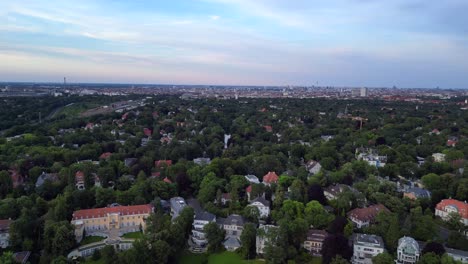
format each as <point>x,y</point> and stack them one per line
<point>374,43</point>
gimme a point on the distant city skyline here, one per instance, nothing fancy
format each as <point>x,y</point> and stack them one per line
<point>406,43</point>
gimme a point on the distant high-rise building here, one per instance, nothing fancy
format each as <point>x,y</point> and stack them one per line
<point>364,92</point>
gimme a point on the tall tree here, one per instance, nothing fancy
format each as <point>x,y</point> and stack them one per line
<point>335,245</point>
<point>248,241</point>
<point>215,237</point>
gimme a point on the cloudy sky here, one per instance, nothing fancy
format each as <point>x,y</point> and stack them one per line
<point>407,43</point>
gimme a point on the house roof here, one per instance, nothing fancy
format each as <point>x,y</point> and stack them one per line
<point>21,257</point>
<point>5,224</point>
<point>105,155</point>
<point>261,200</point>
<point>367,213</point>
<point>232,242</point>
<point>53,177</point>
<point>121,210</point>
<point>249,189</point>
<point>366,239</point>
<point>205,216</point>
<point>16,178</point>
<point>160,163</point>
<point>316,235</point>
<point>419,192</point>
<point>79,176</point>
<point>234,219</point>
<point>167,180</point>
<point>270,177</point>
<point>462,207</point>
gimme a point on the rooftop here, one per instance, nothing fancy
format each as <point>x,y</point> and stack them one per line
<point>121,210</point>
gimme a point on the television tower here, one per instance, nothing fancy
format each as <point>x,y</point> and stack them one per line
<point>64,81</point>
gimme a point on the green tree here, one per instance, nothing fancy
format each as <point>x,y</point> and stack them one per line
<point>7,258</point>
<point>316,215</point>
<point>339,260</point>
<point>6,184</point>
<point>248,241</point>
<point>383,258</point>
<point>429,258</point>
<point>215,237</point>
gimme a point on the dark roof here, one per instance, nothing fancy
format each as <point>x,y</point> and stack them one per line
<point>419,192</point>
<point>234,219</point>
<point>316,235</point>
<point>261,200</point>
<point>205,216</point>
<point>21,257</point>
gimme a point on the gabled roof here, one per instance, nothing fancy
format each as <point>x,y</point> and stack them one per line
<point>367,213</point>
<point>167,180</point>
<point>270,177</point>
<point>462,207</point>
<point>161,163</point>
<point>105,155</point>
<point>419,192</point>
<point>261,200</point>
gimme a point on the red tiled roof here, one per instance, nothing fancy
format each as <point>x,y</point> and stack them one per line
<point>79,176</point>
<point>147,132</point>
<point>167,180</point>
<point>5,224</point>
<point>268,128</point>
<point>160,163</point>
<point>270,177</point>
<point>122,210</point>
<point>249,189</point>
<point>367,213</point>
<point>105,155</point>
<point>462,207</point>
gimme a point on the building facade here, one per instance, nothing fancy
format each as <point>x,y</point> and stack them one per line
<point>111,221</point>
<point>314,241</point>
<point>408,251</point>
<point>363,217</point>
<point>263,206</point>
<point>365,247</point>
<point>447,207</point>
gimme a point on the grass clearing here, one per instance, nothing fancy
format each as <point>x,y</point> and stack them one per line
<point>219,258</point>
<point>91,239</point>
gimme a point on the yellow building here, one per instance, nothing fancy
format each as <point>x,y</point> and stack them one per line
<point>111,222</point>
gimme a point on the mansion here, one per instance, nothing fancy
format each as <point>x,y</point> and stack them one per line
<point>112,221</point>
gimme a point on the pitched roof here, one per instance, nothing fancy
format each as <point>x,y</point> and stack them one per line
<point>462,207</point>
<point>105,155</point>
<point>367,213</point>
<point>270,177</point>
<point>167,180</point>
<point>419,192</point>
<point>121,210</point>
<point>261,200</point>
<point>234,219</point>
<point>161,163</point>
<point>21,257</point>
<point>316,235</point>
<point>5,224</point>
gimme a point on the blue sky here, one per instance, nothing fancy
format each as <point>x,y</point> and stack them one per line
<point>407,43</point>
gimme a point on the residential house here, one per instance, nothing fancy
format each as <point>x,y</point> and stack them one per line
<point>314,241</point>
<point>333,191</point>
<point>458,255</point>
<point>202,161</point>
<point>201,219</point>
<point>363,217</point>
<point>262,238</point>
<point>417,193</point>
<point>105,155</point>
<point>263,206</point>
<point>177,205</point>
<point>365,247</point>
<point>160,164</point>
<point>22,257</point>
<point>233,226</point>
<point>115,219</point>
<point>408,251</point>
<point>313,167</point>
<point>371,157</point>
<point>225,199</point>
<point>270,178</point>
<point>252,179</point>
<point>130,162</point>
<point>80,180</point>
<point>451,206</point>
<point>438,157</point>
<point>5,232</point>
<point>51,177</point>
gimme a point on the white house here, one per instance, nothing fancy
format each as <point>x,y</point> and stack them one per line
<point>262,205</point>
<point>451,206</point>
<point>365,247</point>
<point>408,251</point>
<point>438,157</point>
<point>313,167</point>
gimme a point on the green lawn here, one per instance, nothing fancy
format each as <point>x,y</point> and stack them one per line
<point>90,261</point>
<point>220,258</point>
<point>91,239</point>
<point>316,260</point>
<point>134,235</point>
